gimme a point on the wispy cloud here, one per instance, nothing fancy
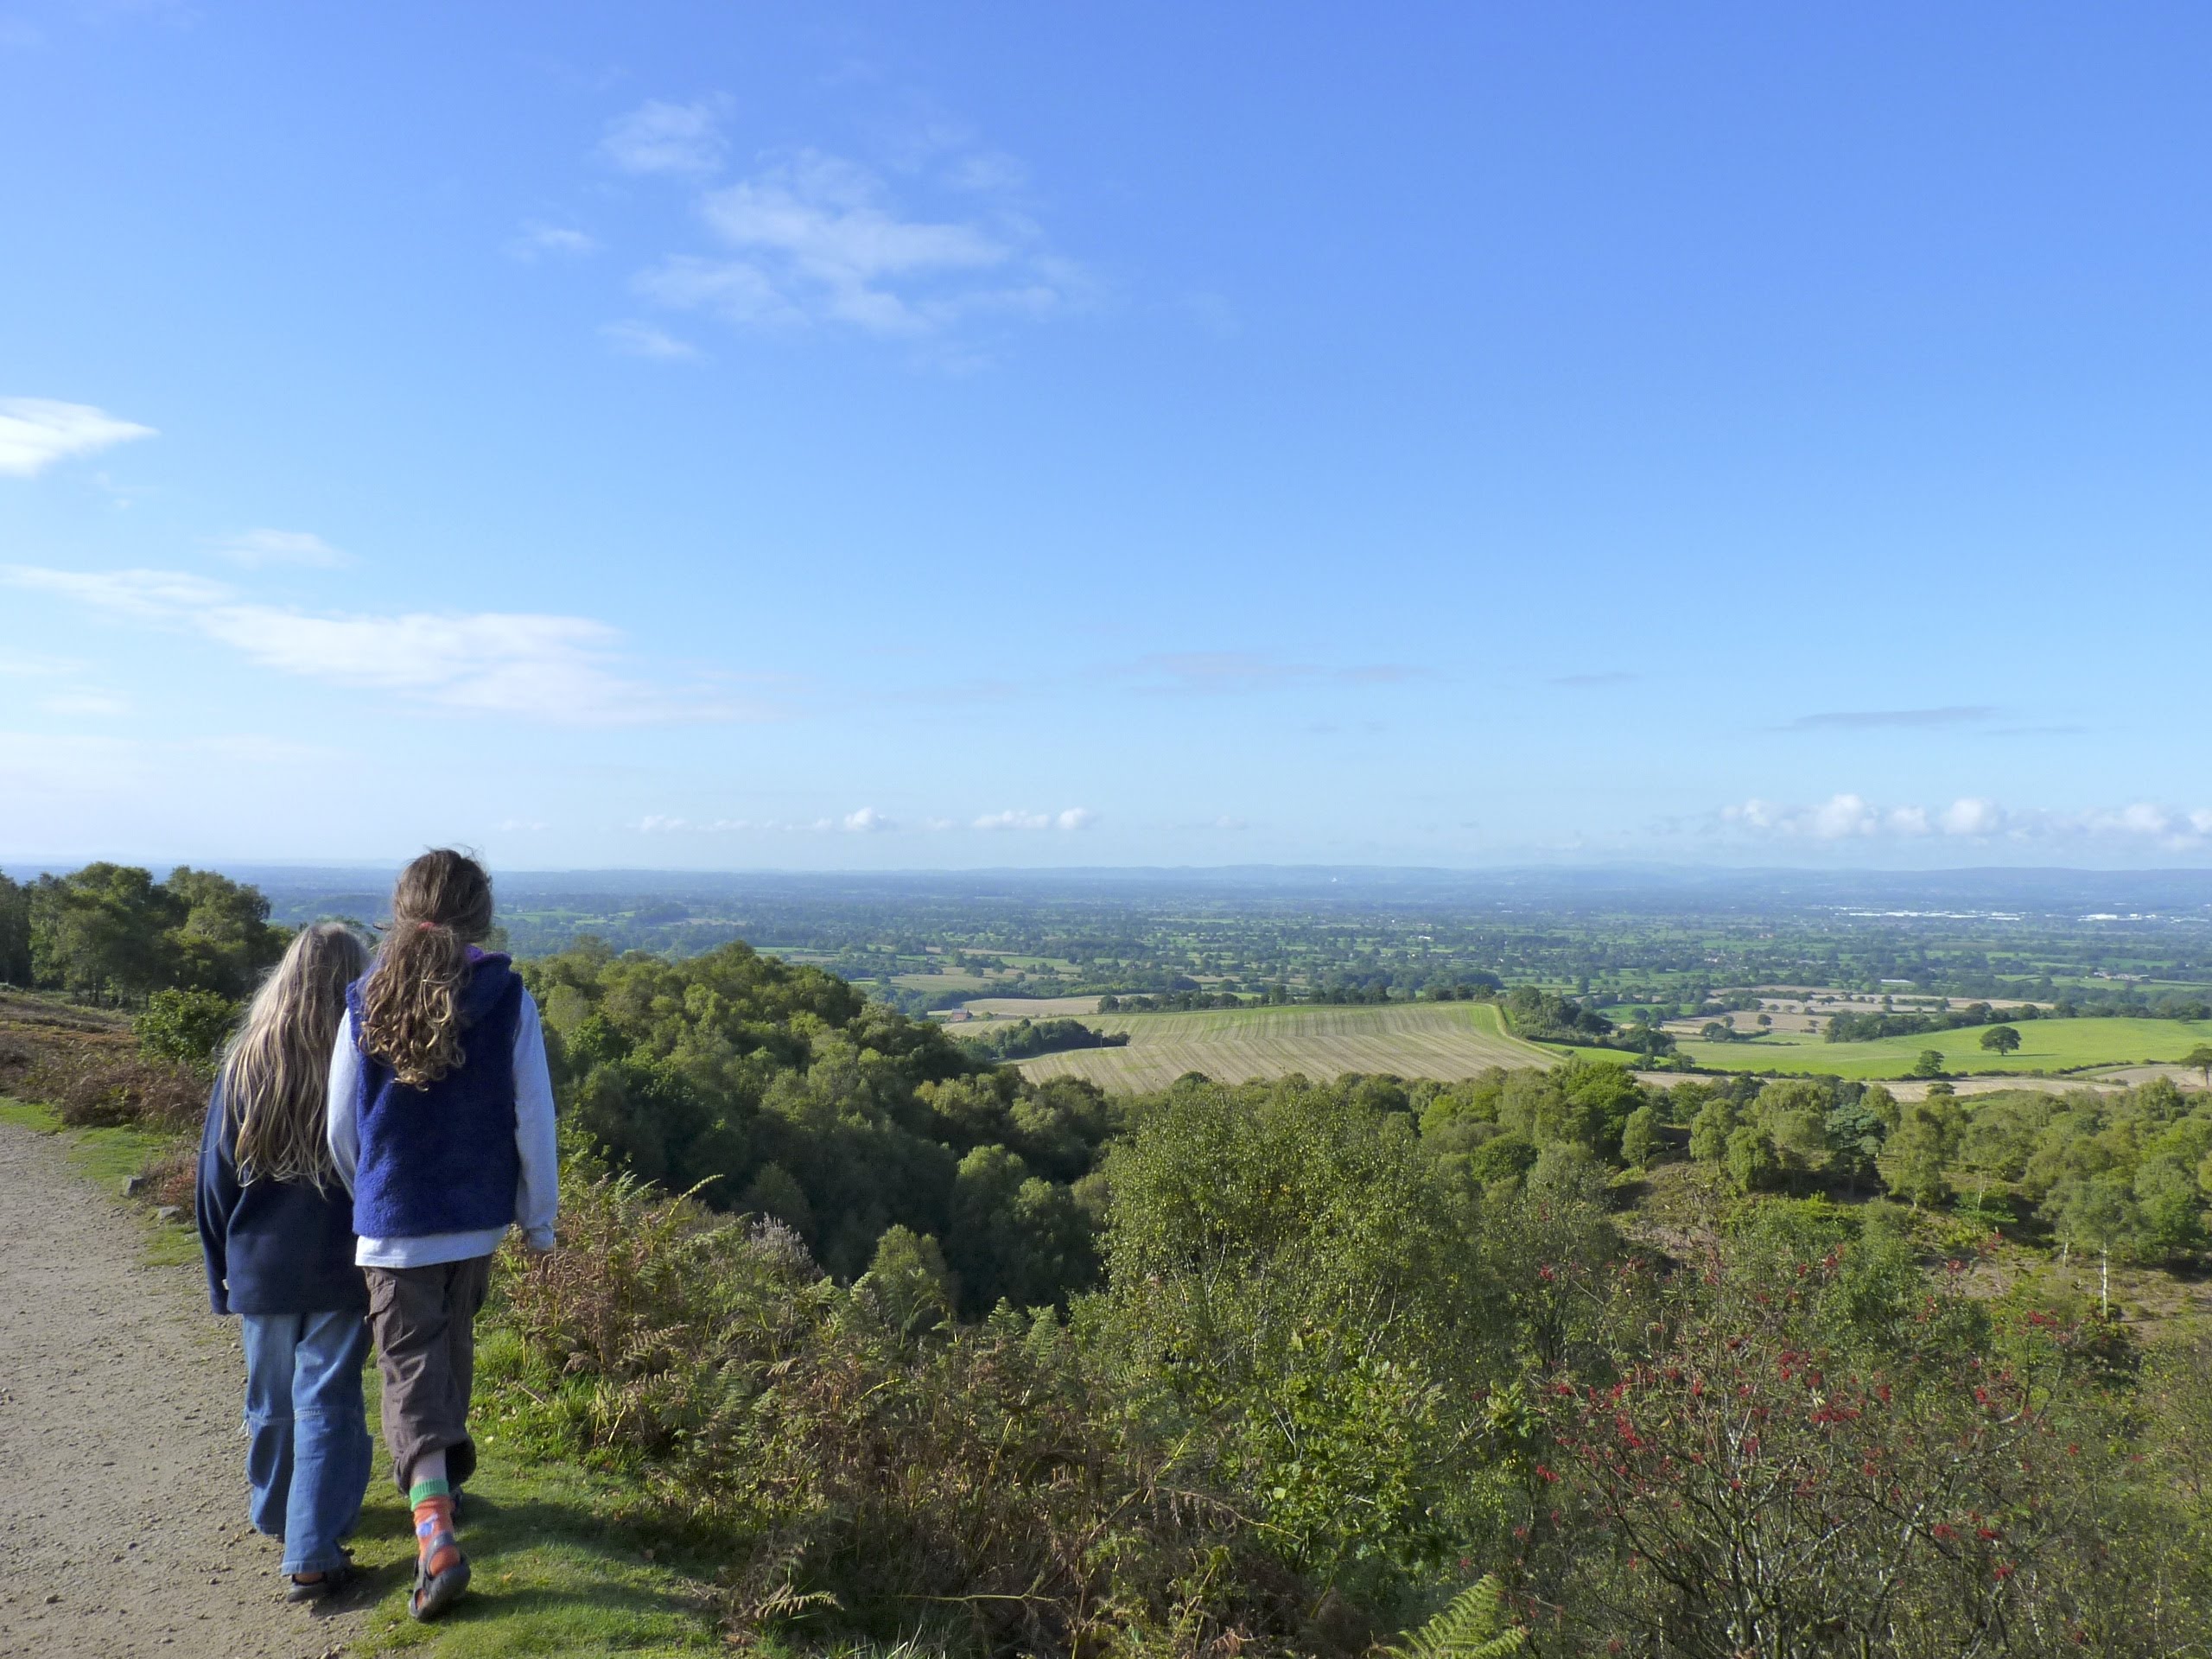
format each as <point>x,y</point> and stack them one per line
<point>635,339</point>
<point>33,665</point>
<point>866,821</point>
<point>258,548</point>
<point>813,239</point>
<point>536,241</point>
<point>1849,817</point>
<point>103,704</point>
<point>78,766</point>
<point>36,432</point>
<point>1609,676</point>
<point>563,669</point>
<point>1225,673</point>
<point>660,136</point>
<point>1860,720</point>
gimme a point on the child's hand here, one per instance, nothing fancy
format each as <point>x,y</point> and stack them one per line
<point>538,1241</point>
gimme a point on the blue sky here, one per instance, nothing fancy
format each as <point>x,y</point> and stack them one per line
<point>730,436</point>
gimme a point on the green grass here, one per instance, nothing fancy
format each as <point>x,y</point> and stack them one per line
<point>557,1573</point>
<point>2045,1045</point>
<point>552,1573</point>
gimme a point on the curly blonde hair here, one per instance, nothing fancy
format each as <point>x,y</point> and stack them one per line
<point>410,1007</point>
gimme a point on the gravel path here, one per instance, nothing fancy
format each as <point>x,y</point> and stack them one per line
<point>123,1528</point>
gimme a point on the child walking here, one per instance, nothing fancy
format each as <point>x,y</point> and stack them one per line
<point>440,1125</point>
<point>277,1232</point>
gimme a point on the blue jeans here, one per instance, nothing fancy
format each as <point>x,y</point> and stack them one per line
<point>308,1452</point>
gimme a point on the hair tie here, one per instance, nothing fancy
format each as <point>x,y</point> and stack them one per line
<point>426,927</point>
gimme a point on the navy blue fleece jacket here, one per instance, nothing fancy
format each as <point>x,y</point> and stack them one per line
<point>272,1247</point>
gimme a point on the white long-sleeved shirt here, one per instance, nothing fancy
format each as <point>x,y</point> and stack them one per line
<point>537,1193</point>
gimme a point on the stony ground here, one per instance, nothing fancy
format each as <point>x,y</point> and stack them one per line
<point>123,1528</point>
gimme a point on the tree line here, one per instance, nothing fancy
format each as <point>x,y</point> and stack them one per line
<point>111,934</point>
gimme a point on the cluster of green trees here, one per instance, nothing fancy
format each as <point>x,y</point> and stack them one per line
<point>782,1090</point>
<point>1026,1039</point>
<point>111,933</point>
<point>1547,1016</point>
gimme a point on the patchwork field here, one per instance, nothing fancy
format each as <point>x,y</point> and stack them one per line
<point>2045,1045</point>
<point>1443,1040</point>
<point>985,1009</point>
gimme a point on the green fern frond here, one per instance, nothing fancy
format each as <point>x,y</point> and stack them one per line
<point>1473,1627</point>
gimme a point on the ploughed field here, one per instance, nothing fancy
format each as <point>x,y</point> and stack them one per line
<point>1444,1040</point>
<point>2045,1045</point>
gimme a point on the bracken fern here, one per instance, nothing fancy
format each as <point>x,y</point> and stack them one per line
<point>1473,1627</point>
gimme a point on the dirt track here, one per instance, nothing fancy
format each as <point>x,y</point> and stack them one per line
<point>123,1528</point>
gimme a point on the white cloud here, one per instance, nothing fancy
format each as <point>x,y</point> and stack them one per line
<point>1075,817</point>
<point>562,668</point>
<point>256,548</point>
<point>658,136</point>
<point>36,432</point>
<point>535,241</point>
<point>634,338</point>
<point>1848,817</point>
<point>868,821</point>
<point>1841,816</point>
<point>1970,816</point>
<point>819,239</point>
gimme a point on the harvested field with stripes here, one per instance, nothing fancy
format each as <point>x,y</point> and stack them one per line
<point>1444,1040</point>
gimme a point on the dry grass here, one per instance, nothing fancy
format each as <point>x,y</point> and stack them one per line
<point>85,1063</point>
<point>1443,1040</point>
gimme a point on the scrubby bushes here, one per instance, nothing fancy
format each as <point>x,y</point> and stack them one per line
<point>984,1483</point>
<point>108,1087</point>
<point>185,1027</point>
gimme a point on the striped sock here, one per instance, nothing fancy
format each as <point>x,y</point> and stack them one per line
<point>434,1539</point>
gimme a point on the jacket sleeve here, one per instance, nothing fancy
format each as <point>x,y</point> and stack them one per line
<point>537,1194</point>
<point>342,1125</point>
<point>215,1196</point>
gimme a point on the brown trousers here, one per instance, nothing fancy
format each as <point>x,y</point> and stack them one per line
<point>424,1320</point>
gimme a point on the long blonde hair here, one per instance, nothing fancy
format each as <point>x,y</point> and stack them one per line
<point>411,1007</point>
<point>276,1069</point>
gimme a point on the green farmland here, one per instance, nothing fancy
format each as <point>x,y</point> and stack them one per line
<point>1444,1040</point>
<point>2045,1045</point>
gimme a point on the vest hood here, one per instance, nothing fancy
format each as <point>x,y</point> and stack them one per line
<point>486,985</point>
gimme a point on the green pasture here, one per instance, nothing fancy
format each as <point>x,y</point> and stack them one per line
<point>2045,1045</point>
